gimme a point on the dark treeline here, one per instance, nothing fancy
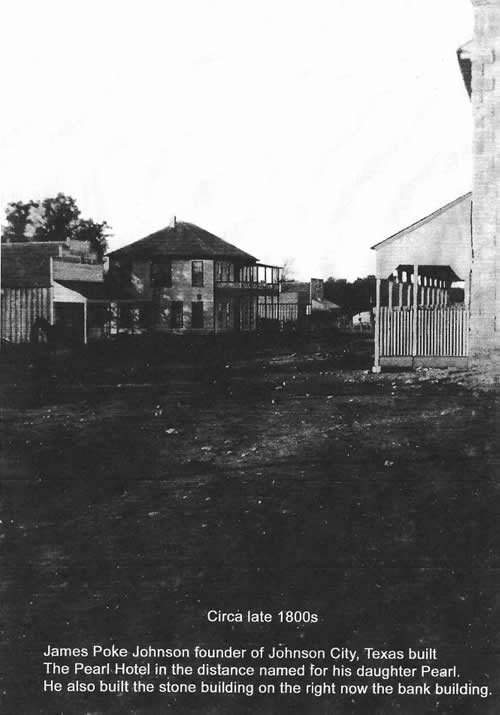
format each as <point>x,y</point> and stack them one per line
<point>359,295</point>
<point>53,219</point>
<point>353,297</point>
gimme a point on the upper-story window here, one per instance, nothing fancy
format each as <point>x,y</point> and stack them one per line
<point>161,272</point>
<point>224,272</point>
<point>197,273</point>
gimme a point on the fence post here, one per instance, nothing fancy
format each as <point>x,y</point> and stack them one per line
<point>376,364</point>
<point>415,309</point>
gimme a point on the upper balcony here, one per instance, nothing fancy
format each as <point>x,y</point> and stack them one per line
<point>259,279</point>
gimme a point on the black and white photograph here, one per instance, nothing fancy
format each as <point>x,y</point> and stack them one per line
<point>250,357</point>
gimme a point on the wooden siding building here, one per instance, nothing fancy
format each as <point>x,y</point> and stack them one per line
<point>304,303</point>
<point>47,283</point>
<point>416,323</point>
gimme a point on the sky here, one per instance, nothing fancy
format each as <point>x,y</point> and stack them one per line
<point>303,131</point>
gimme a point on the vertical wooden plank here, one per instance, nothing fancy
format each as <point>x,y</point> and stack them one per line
<point>428,330</point>
<point>13,300</point>
<point>376,364</point>
<point>8,311</point>
<point>415,310</point>
<point>16,317</point>
<point>441,331</point>
<point>387,325</point>
<point>431,332</point>
<point>85,322</point>
<point>7,327</point>
<point>5,314</point>
<point>394,326</point>
<point>454,332</point>
<point>20,313</point>
<point>438,334</point>
<point>438,329</point>
<point>447,328</point>
<point>12,304</point>
<point>27,297</point>
<point>17,308</point>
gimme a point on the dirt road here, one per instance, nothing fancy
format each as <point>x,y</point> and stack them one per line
<point>135,497</point>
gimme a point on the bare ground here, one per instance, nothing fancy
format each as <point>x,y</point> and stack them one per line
<point>140,489</point>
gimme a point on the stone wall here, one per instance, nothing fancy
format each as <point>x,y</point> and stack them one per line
<point>485,293</point>
<point>182,290</point>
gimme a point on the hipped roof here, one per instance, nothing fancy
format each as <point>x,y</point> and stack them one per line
<point>183,240</point>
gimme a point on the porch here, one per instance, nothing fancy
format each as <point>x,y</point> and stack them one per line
<point>86,311</point>
<point>258,279</point>
<point>422,291</point>
<point>420,324</point>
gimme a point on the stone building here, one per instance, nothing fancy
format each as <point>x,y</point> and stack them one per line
<point>460,241</point>
<point>480,63</point>
<point>191,281</point>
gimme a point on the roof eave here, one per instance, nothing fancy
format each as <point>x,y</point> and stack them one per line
<point>412,227</point>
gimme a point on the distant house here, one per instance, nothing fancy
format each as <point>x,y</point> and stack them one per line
<point>362,321</point>
<point>181,279</point>
<point>295,303</point>
<point>308,300</point>
<point>57,282</point>
<point>319,304</point>
<point>188,280</point>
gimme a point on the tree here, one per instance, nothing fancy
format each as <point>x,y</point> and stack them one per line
<point>353,297</point>
<point>18,216</point>
<point>95,233</point>
<point>53,219</point>
<point>58,219</point>
<point>288,269</point>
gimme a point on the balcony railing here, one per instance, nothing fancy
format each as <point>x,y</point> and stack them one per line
<point>258,278</point>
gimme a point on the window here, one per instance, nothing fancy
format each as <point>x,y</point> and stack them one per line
<point>176,317</point>
<point>224,272</point>
<point>161,272</point>
<point>197,315</point>
<point>197,273</point>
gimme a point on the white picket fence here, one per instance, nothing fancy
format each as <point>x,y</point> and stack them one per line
<point>437,332</point>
